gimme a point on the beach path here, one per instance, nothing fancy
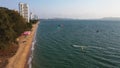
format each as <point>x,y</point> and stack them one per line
<point>20,59</point>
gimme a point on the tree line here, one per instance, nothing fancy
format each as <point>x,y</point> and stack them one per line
<point>12,24</point>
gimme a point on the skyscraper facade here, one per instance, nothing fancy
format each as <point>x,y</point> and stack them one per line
<point>24,11</point>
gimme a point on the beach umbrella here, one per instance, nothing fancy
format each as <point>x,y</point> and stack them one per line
<point>26,33</point>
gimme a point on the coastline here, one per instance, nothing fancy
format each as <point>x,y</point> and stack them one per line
<point>30,56</point>
<point>20,59</point>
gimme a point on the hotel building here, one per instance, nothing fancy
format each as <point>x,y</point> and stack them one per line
<point>24,11</point>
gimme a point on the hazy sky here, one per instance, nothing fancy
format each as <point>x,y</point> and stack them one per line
<point>83,9</point>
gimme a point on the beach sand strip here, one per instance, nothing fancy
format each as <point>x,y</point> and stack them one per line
<point>21,57</point>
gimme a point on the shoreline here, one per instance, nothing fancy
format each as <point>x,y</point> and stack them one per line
<point>20,59</point>
<point>29,56</point>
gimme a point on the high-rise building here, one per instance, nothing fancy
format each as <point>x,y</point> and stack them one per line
<point>33,16</point>
<point>24,11</point>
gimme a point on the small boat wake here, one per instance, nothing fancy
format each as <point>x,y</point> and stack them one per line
<point>82,47</point>
<point>79,46</point>
<point>88,47</point>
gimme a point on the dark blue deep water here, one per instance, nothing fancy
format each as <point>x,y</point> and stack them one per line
<point>77,44</point>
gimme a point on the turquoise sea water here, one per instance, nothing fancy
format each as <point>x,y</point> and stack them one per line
<point>77,44</point>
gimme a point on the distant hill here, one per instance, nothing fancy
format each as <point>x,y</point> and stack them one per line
<point>111,18</point>
<point>104,18</point>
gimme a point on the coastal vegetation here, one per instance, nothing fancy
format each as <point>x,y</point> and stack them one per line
<point>12,25</point>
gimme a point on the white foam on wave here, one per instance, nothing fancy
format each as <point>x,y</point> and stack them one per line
<point>31,55</point>
<point>96,47</point>
<point>83,47</point>
<point>32,49</point>
<point>29,62</point>
<point>79,46</point>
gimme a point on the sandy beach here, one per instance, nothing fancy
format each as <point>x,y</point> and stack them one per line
<point>20,59</point>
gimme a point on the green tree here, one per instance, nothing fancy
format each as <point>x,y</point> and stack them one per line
<point>11,26</point>
<point>6,31</point>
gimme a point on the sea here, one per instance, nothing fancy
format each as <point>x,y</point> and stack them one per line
<point>64,43</point>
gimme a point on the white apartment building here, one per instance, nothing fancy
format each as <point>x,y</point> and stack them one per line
<point>24,11</point>
<point>33,16</point>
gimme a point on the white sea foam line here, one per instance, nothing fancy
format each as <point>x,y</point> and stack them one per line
<point>78,46</point>
<point>32,49</point>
